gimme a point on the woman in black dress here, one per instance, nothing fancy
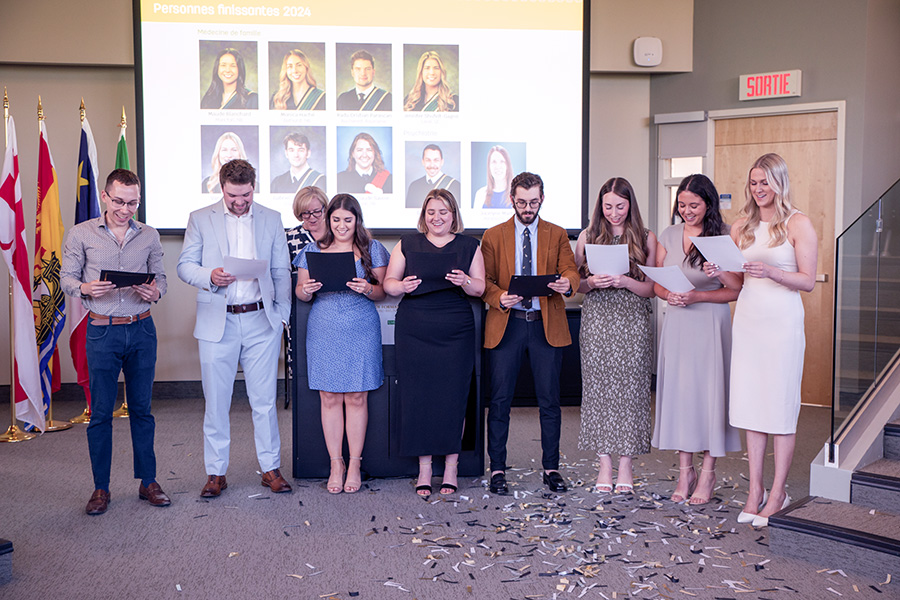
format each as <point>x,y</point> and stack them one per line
<point>435,336</point>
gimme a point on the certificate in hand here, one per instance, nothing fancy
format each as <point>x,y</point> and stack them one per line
<point>332,269</point>
<point>672,278</point>
<point>720,250</point>
<point>432,269</point>
<point>244,268</point>
<point>604,259</point>
<point>529,286</point>
<point>126,278</point>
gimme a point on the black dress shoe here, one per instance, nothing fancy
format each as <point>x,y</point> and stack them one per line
<point>498,484</point>
<point>554,481</point>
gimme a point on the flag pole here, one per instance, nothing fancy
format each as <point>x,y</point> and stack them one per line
<point>51,425</point>
<point>122,411</point>
<point>84,417</point>
<point>13,434</point>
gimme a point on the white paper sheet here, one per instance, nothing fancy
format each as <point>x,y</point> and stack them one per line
<point>606,259</point>
<point>244,268</point>
<point>720,250</point>
<point>672,278</point>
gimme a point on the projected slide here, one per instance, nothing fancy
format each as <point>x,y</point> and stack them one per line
<point>382,100</point>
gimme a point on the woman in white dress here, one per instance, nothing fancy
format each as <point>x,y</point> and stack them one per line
<point>781,246</point>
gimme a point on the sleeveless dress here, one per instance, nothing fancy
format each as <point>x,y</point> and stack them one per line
<point>616,361</point>
<point>435,341</point>
<point>768,345</point>
<point>343,335</point>
<point>693,366</point>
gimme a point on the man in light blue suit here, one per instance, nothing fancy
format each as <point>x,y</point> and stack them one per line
<point>238,320</point>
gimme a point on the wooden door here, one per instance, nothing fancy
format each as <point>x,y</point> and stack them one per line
<point>808,143</point>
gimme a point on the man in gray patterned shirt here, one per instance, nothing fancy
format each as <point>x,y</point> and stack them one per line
<point>121,336</point>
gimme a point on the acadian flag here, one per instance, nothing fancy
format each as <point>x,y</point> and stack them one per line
<point>48,298</point>
<point>87,207</point>
<point>15,252</point>
<point>122,161</point>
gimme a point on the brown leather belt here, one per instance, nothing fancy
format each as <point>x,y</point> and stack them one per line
<point>530,316</point>
<point>105,320</point>
<point>239,309</point>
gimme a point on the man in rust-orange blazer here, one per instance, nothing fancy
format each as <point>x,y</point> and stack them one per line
<point>518,326</point>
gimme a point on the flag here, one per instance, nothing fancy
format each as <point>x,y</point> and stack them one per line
<point>27,395</point>
<point>48,298</point>
<point>122,161</point>
<point>87,207</point>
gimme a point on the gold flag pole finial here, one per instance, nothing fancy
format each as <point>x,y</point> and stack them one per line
<point>40,111</point>
<point>123,124</point>
<point>5,103</point>
<point>81,109</point>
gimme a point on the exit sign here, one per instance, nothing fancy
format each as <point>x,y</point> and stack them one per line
<point>781,84</point>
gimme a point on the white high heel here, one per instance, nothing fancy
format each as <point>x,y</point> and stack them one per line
<point>759,522</point>
<point>744,517</point>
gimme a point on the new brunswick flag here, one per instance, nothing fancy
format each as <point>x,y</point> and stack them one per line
<point>48,299</point>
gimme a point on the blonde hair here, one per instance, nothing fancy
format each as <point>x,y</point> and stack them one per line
<point>449,201</point>
<point>777,176</point>
<point>285,85</point>
<point>445,94</point>
<point>213,180</point>
<point>306,196</point>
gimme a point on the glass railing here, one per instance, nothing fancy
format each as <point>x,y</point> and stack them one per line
<point>867,305</point>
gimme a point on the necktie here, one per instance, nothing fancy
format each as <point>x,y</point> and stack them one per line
<point>361,98</point>
<point>526,262</point>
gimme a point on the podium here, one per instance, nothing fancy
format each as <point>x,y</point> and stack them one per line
<point>381,457</point>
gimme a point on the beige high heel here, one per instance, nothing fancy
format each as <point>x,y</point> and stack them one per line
<point>336,487</point>
<point>351,486</point>
<point>678,497</point>
<point>698,500</point>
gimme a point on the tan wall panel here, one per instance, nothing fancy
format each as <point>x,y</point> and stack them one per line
<point>98,32</point>
<point>777,128</point>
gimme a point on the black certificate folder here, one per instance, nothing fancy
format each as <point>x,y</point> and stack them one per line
<point>529,286</point>
<point>125,278</point>
<point>432,269</point>
<point>332,269</point>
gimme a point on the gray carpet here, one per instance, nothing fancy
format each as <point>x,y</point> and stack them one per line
<point>384,542</point>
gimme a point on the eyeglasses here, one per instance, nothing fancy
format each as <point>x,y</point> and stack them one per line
<point>311,213</point>
<point>119,203</point>
<point>524,203</point>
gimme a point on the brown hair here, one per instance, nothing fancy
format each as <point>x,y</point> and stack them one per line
<point>599,231</point>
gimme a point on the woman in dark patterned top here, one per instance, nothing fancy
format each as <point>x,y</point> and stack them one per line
<point>309,208</point>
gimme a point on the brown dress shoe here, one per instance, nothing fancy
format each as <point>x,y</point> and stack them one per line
<point>275,482</point>
<point>214,486</point>
<point>98,503</point>
<point>154,495</point>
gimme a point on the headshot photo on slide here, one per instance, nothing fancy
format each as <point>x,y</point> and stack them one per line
<point>430,78</point>
<point>494,164</point>
<point>220,144</point>
<point>296,158</point>
<point>297,76</point>
<point>228,75</point>
<point>364,160</point>
<point>363,77</point>
<point>429,166</point>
